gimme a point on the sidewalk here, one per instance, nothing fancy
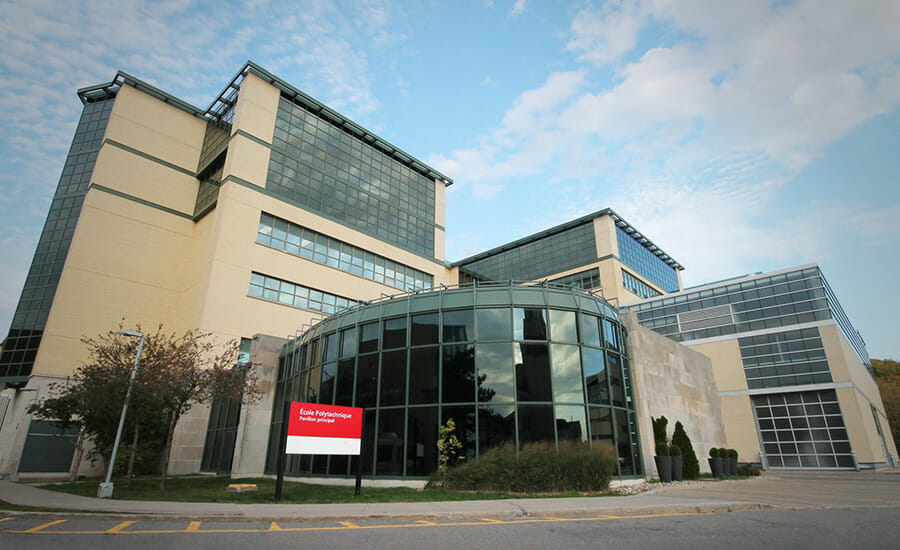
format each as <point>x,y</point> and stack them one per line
<point>782,489</point>
<point>646,503</point>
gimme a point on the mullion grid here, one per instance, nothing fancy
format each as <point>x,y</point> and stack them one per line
<point>803,430</point>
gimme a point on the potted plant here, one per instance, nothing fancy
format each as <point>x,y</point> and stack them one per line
<point>677,462</point>
<point>732,462</point>
<point>663,462</point>
<point>715,462</point>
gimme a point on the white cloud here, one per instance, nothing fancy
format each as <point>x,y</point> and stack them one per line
<point>518,8</point>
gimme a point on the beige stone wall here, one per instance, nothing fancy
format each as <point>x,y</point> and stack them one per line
<point>676,382</point>
<point>253,430</point>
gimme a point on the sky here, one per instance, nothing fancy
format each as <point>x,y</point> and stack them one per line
<point>740,136</point>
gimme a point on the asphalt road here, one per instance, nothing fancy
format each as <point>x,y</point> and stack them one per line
<point>869,528</point>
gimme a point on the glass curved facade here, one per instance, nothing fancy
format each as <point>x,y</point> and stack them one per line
<point>508,363</point>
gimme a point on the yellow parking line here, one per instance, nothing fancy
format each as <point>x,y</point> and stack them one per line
<point>40,528</point>
<point>5,519</point>
<point>194,526</point>
<point>118,528</point>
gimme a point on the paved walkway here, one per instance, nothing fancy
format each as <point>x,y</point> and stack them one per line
<point>772,490</point>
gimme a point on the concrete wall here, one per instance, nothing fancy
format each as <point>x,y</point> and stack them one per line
<point>674,381</point>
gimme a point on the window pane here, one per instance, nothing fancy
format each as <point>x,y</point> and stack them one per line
<point>368,337</point>
<point>458,374</point>
<point>494,324</point>
<point>367,380</point>
<point>421,447</point>
<point>496,425</point>
<point>616,382</point>
<point>326,388</point>
<point>393,378</point>
<point>535,423</point>
<point>529,324</point>
<point>532,372</point>
<point>570,423</point>
<point>562,326</point>
<point>390,442</point>
<point>344,391</point>
<point>423,376</point>
<point>459,325</point>
<point>494,363</point>
<point>567,380</point>
<point>424,329</point>
<point>394,333</point>
<point>590,330</point>
<point>595,376</point>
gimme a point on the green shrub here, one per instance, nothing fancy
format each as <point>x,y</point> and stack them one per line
<point>690,464</point>
<point>674,450</point>
<point>714,453</point>
<point>540,467</point>
<point>747,470</point>
<point>659,429</point>
<point>662,449</point>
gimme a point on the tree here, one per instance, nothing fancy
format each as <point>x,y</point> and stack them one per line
<point>887,375</point>
<point>690,464</point>
<point>175,373</point>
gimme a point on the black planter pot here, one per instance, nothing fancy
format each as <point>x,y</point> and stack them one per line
<point>664,468</point>
<point>732,466</point>
<point>716,467</point>
<point>677,468</point>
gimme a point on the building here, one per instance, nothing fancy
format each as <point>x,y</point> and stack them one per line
<point>793,374</point>
<point>255,215</point>
<point>600,251</point>
<point>270,219</point>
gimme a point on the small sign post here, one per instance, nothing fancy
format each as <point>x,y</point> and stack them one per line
<point>313,429</point>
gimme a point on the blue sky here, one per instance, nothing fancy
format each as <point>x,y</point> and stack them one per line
<point>740,136</point>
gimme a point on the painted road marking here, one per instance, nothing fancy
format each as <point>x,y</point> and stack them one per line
<point>118,528</point>
<point>194,526</point>
<point>43,526</point>
<point>5,519</point>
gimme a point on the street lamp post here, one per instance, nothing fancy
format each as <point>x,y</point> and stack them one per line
<point>106,488</point>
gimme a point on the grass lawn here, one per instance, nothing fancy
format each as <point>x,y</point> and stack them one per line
<point>213,489</point>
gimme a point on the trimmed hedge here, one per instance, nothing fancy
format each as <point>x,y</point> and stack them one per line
<point>541,467</point>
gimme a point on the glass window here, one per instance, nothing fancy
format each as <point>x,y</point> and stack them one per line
<point>394,333</point>
<point>568,386</point>
<point>616,381</point>
<point>494,324</point>
<point>423,376</point>
<point>610,334</point>
<point>532,372</point>
<point>424,329</point>
<point>326,388</point>
<point>348,343</point>
<point>535,423</point>
<point>459,325</point>
<point>529,324</point>
<point>464,418</point>
<point>330,347</point>
<point>393,378</point>
<point>367,381</point>
<point>571,424</point>
<point>421,446</point>
<point>496,426</point>
<point>390,442</point>
<point>368,337</point>
<point>562,326</point>
<point>344,391</point>
<point>458,374</point>
<point>494,363</point>
<point>595,376</point>
<point>590,330</point>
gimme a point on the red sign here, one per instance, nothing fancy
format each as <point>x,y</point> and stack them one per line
<point>323,429</point>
